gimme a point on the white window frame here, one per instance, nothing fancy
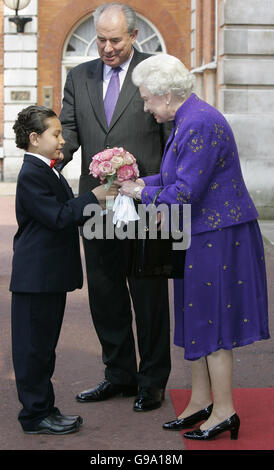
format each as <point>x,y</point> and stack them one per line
<point>69,62</point>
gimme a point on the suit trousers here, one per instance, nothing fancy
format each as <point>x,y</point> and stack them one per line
<point>36,324</point>
<point>110,304</point>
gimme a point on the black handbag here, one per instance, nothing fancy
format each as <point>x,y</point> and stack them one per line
<point>156,258</point>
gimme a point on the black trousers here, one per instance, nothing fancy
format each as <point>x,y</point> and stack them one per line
<point>36,325</point>
<point>110,304</point>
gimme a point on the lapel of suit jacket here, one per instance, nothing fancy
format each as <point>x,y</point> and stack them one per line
<point>95,91</point>
<point>66,186</point>
<point>94,85</point>
<point>58,183</point>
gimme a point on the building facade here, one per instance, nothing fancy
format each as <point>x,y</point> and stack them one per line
<point>228,44</point>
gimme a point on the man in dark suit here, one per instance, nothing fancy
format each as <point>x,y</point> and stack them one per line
<point>85,124</point>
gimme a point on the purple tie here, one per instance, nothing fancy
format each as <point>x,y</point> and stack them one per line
<point>112,94</point>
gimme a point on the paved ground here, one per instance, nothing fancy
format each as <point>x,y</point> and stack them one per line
<point>110,425</point>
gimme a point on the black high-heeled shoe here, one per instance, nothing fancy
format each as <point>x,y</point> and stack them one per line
<point>231,424</point>
<point>189,421</point>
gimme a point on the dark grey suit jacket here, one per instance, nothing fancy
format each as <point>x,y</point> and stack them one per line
<point>84,123</point>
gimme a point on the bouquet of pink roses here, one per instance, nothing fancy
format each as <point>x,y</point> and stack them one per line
<point>114,163</point>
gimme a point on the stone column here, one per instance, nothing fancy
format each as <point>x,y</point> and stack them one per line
<point>20,81</point>
<point>245,91</point>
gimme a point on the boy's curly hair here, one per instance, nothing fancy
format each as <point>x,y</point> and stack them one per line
<point>31,119</point>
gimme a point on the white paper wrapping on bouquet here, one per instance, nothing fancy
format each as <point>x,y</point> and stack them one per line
<point>124,210</point>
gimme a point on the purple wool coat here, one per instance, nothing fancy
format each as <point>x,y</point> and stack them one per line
<point>201,167</point>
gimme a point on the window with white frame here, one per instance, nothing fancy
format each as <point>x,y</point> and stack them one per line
<point>81,44</point>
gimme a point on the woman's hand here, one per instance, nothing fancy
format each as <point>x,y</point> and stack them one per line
<point>132,188</point>
<point>140,182</point>
<point>127,188</point>
<point>101,194</point>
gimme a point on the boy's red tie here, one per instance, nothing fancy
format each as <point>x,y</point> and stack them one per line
<point>52,163</point>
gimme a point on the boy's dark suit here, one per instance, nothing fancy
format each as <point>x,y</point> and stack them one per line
<point>46,265</point>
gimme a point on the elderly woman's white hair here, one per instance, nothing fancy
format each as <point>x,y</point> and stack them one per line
<point>163,73</point>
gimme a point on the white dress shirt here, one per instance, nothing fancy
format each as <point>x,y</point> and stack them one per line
<point>108,72</point>
<point>46,160</point>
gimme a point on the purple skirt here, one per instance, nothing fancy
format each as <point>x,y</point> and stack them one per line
<point>222,301</point>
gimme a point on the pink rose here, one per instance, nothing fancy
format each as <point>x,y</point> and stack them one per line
<point>128,158</point>
<point>125,173</point>
<point>96,158</point>
<point>106,155</point>
<point>117,161</point>
<point>94,168</point>
<point>135,169</point>
<point>106,168</point>
<point>118,151</point>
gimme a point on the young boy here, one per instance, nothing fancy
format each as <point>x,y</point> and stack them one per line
<point>46,265</point>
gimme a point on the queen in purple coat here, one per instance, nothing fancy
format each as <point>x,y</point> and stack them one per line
<point>222,301</point>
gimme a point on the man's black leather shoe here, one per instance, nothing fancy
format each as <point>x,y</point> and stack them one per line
<point>149,399</point>
<point>53,425</point>
<point>67,418</point>
<point>106,390</point>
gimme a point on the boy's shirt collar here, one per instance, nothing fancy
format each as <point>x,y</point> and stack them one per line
<point>45,160</point>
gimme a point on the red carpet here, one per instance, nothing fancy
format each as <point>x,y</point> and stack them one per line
<point>255,407</point>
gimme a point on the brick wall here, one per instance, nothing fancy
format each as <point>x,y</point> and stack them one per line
<point>57,19</point>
